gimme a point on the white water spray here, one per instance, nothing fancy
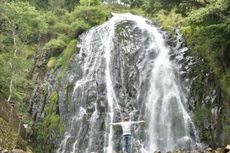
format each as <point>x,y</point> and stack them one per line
<point>168,123</point>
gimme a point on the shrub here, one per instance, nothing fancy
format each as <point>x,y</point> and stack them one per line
<point>55,46</point>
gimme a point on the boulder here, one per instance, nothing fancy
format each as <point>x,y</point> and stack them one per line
<point>219,150</point>
<point>227,148</point>
<point>17,151</point>
<point>4,151</point>
<point>196,151</point>
<point>157,151</point>
<point>208,150</point>
<point>178,151</point>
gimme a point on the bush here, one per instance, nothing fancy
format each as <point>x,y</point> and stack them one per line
<point>55,46</point>
<point>62,28</point>
<point>78,28</point>
<point>93,15</point>
<point>90,3</point>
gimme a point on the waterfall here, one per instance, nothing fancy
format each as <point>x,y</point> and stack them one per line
<point>124,67</point>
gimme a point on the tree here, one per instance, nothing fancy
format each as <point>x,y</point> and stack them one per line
<point>90,2</point>
<point>21,23</point>
<point>70,4</point>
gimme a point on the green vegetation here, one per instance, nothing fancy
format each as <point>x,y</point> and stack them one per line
<point>37,36</point>
<point>64,60</point>
<point>45,134</point>
<point>9,139</point>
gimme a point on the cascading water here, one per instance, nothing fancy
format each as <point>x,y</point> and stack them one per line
<point>124,67</point>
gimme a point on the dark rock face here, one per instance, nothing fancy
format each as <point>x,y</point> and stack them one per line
<point>86,91</point>
<point>109,79</point>
<point>205,99</point>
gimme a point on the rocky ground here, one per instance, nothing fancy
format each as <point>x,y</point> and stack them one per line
<point>207,150</point>
<point>14,151</point>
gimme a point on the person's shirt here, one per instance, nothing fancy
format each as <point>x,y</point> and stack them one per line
<point>126,126</point>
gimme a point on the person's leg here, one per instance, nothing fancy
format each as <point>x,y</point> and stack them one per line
<point>127,143</point>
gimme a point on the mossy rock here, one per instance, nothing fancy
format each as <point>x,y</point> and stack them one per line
<point>8,137</point>
<point>21,144</point>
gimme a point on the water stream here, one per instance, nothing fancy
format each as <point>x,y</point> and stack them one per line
<point>124,67</point>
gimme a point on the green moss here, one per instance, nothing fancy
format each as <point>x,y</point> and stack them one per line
<point>52,62</point>
<point>64,60</point>
<point>46,132</point>
<point>68,95</point>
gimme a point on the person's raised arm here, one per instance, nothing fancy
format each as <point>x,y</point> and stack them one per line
<point>135,122</point>
<point>114,123</point>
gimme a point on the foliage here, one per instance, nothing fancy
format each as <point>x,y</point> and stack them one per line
<point>202,114</point>
<point>90,2</point>
<point>151,7</point>
<point>93,15</point>
<point>60,27</point>
<point>77,28</point>
<point>55,45</point>
<point>4,79</point>
<point>208,31</point>
<point>169,19</point>
<point>64,60</point>
<point>45,133</point>
<point>23,19</point>
<point>70,4</point>
<point>21,27</point>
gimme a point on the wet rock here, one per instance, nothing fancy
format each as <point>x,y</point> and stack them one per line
<point>4,151</point>
<point>227,147</point>
<point>208,150</point>
<point>178,151</point>
<point>196,151</point>
<point>219,150</point>
<point>157,151</point>
<point>17,151</point>
<point>87,105</point>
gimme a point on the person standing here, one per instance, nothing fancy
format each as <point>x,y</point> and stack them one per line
<point>126,130</point>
